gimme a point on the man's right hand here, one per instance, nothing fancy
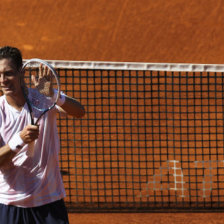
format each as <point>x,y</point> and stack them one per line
<point>29,133</point>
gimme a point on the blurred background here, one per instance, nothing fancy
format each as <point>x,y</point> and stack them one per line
<point>177,31</point>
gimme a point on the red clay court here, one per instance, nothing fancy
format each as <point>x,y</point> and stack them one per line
<point>130,31</point>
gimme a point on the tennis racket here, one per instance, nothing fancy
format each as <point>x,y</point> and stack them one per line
<point>40,83</point>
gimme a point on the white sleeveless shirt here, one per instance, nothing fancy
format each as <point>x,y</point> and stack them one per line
<point>30,181</point>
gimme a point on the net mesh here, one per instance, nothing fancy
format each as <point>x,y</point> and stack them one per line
<point>150,140</point>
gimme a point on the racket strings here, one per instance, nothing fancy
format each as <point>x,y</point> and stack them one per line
<point>45,86</point>
<point>40,89</point>
<point>40,101</point>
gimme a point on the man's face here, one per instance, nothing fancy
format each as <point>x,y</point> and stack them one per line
<point>9,78</point>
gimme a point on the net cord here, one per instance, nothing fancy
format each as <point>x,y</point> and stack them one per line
<point>104,65</point>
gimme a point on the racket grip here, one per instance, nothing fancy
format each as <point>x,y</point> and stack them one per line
<point>30,150</point>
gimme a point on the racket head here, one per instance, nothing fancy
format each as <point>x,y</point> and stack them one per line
<point>39,96</point>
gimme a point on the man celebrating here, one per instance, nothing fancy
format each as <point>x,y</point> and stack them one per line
<point>31,188</point>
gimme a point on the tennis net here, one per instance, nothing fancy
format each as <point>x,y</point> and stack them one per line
<point>151,139</point>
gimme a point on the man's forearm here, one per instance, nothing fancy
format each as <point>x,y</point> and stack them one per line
<point>73,107</point>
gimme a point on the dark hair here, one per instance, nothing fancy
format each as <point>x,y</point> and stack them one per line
<point>12,53</point>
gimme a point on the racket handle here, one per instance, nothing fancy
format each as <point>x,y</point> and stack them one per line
<point>30,150</point>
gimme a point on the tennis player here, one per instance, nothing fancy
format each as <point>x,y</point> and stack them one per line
<point>31,188</point>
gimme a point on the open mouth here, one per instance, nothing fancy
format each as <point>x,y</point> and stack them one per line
<point>6,88</point>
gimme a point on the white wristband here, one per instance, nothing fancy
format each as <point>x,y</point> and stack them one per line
<point>61,99</point>
<point>16,142</point>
